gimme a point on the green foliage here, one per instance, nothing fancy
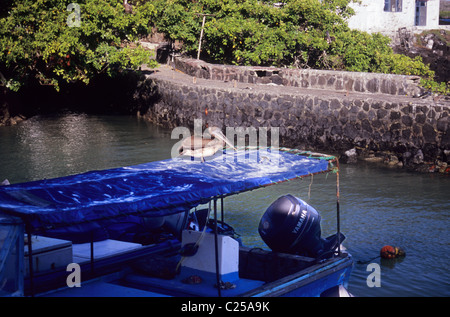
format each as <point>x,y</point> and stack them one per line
<point>435,87</point>
<point>301,33</point>
<point>245,32</point>
<point>444,14</point>
<point>37,41</point>
<point>177,21</point>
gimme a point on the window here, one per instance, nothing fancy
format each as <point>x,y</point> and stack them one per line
<point>421,13</point>
<point>393,5</point>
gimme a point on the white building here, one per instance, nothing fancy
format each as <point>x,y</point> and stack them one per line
<point>388,16</point>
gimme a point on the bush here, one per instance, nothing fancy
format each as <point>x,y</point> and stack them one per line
<point>37,43</point>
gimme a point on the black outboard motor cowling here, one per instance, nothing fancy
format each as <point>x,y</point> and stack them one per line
<point>292,226</point>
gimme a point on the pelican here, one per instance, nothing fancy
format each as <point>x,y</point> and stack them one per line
<point>197,146</point>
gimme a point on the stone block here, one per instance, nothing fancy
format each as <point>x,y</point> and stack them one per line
<point>407,120</point>
<point>395,115</point>
<point>373,85</point>
<point>428,133</point>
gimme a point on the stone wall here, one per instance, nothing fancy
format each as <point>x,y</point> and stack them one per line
<point>305,78</point>
<point>400,130</point>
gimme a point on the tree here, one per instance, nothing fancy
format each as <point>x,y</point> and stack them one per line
<point>249,32</point>
<point>56,42</point>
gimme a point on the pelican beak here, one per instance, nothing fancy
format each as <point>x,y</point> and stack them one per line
<point>218,134</point>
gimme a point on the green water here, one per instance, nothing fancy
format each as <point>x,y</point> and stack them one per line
<point>378,206</point>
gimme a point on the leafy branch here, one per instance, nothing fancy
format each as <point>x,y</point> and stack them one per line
<point>37,43</point>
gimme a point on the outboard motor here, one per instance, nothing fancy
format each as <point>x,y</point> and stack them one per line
<point>292,226</point>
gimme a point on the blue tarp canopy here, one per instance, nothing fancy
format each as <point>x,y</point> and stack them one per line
<point>151,189</point>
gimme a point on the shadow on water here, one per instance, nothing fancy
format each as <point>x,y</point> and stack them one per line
<point>379,206</point>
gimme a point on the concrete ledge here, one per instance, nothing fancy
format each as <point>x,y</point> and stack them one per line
<point>372,83</point>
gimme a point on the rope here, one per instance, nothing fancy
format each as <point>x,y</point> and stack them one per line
<point>368,261</point>
<point>309,187</point>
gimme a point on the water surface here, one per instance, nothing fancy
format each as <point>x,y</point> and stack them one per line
<point>378,206</point>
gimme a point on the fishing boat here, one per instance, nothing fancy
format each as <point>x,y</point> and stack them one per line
<point>157,229</point>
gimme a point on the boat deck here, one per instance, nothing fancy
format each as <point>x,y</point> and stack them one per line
<point>177,288</point>
<point>261,273</point>
<point>102,289</point>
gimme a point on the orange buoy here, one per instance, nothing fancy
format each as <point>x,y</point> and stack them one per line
<point>389,252</point>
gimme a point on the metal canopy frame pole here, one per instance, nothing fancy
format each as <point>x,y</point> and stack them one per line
<point>92,252</point>
<point>216,249</point>
<point>221,211</point>
<point>30,258</point>
<point>21,264</point>
<point>338,212</point>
